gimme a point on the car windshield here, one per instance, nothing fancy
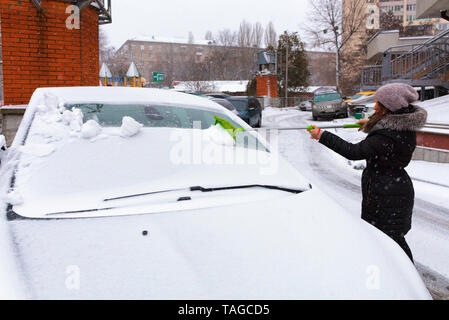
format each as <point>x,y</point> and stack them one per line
<point>150,115</point>
<point>326,97</point>
<point>240,105</point>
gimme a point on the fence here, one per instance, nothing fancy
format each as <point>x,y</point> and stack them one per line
<point>282,102</point>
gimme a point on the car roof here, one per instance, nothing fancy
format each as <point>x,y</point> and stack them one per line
<point>240,97</point>
<point>326,92</point>
<point>119,95</point>
<point>367,92</point>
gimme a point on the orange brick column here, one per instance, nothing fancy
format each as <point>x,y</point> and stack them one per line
<point>267,84</point>
<point>40,51</point>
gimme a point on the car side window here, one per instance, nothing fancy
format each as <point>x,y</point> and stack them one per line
<point>252,103</point>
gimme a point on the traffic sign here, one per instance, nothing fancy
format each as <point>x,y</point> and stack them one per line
<point>158,77</point>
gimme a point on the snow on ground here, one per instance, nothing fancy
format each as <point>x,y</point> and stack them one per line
<point>340,179</point>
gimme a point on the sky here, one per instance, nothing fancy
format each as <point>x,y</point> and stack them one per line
<point>175,18</point>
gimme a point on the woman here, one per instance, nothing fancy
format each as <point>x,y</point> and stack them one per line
<point>388,193</point>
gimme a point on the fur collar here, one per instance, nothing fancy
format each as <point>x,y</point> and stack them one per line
<point>403,122</point>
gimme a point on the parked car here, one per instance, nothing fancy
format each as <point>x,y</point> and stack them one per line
<point>225,103</point>
<point>219,95</point>
<point>328,104</point>
<point>120,216</point>
<point>305,106</point>
<point>358,105</point>
<point>249,109</point>
<point>360,95</point>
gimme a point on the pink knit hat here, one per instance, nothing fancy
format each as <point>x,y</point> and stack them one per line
<point>395,96</point>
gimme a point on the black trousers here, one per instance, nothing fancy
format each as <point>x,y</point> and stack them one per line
<point>400,240</point>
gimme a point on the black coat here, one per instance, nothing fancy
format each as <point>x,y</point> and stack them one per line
<point>388,193</point>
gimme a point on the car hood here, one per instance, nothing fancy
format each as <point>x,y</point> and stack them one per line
<point>77,174</point>
<point>298,247</point>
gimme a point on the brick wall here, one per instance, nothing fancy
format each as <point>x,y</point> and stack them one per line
<point>265,81</point>
<point>432,140</point>
<point>39,51</point>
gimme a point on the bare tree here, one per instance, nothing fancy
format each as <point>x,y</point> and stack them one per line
<point>271,37</point>
<point>119,62</point>
<point>227,38</point>
<point>332,23</point>
<point>105,49</point>
<point>257,34</point>
<point>201,86</point>
<point>245,34</point>
<point>209,36</point>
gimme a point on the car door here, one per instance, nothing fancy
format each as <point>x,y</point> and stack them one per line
<point>253,111</point>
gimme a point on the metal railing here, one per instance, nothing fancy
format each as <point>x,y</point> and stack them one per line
<point>425,61</point>
<point>371,75</point>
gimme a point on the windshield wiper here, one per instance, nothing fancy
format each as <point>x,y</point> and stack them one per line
<point>196,188</point>
<point>202,189</point>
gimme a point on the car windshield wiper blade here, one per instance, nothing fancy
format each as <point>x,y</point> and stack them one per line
<point>202,189</point>
<point>196,188</point>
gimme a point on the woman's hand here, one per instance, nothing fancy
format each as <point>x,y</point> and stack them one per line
<point>315,133</point>
<point>362,122</point>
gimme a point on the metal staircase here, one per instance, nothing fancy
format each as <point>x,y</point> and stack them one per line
<point>425,64</point>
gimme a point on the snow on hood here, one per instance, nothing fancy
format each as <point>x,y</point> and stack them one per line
<point>284,248</point>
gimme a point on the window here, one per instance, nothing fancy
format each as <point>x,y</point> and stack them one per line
<point>150,115</point>
<point>411,17</point>
<point>150,48</point>
<point>411,7</point>
<point>326,97</point>
<point>142,47</point>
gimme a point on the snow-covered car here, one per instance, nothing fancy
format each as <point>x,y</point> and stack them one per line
<point>361,104</point>
<point>106,193</point>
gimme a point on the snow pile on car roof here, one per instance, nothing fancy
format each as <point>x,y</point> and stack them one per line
<point>130,127</point>
<point>90,129</point>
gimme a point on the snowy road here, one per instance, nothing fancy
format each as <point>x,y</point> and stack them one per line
<point>429,237</point>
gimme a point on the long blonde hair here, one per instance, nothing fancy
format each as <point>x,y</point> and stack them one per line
<point>375,118</point>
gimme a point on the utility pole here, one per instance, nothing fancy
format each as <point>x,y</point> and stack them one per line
<point>286,75</point>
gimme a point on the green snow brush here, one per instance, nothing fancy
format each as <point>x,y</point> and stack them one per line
<point>233,130</point>
<point>228,126</point>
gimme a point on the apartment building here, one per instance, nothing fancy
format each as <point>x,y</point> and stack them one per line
<point>404,10</point>
<point>172,55</point>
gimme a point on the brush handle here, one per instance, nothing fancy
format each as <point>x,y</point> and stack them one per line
<point>354,125</point>
<point>344,126</point>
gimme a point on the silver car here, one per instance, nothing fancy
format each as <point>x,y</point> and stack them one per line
<point>328,104</point>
